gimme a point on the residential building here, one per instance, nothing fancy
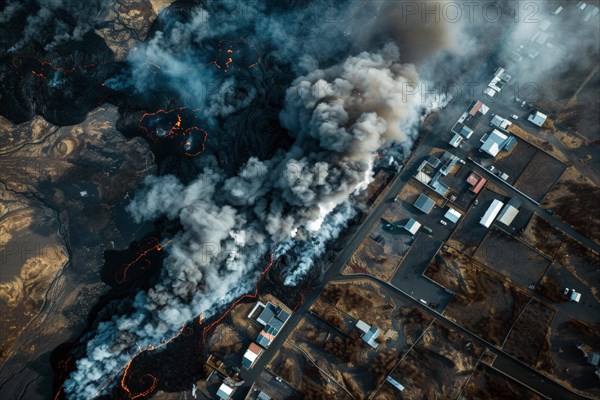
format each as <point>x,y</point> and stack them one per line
<point>594,359</point>
<point>456,140</point>
<point>370,333</point>
<point>225,391</point>
<point>477,108</point>
<point>452,215</point>
<point>273,318</point>
<point>501,123</point>
<point>537,118</point>
<point>477,182</point>
<point>424,203</point>
<point>412,226</point>
<point>494,142</point>
<point>254,351</point>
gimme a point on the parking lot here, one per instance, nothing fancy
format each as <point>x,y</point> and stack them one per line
<point>470,232</point>
<point>409,276</point>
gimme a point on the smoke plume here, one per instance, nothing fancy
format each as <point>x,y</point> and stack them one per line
<point>337,113</point>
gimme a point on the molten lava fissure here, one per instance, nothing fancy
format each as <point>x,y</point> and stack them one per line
<point>185,330</point>
<point>40,68</point>
<point>176,123</point>
<point>121,276</point>
<point>236,55</point>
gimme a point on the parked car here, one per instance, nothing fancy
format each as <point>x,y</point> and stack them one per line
<point>443,222</point>
<point>514,116</point>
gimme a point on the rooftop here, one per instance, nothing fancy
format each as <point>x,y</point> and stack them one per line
<point>537,118</point>
<point>491,213</point>
<point>371,336</point>
<point>494,143</point>
<point>478,107</point>
<point>508,214</point>
<point>412,226</point>
<point>224,391</point>
<point>395,383</point>
<point>452,215</point>
<point>424,203</point>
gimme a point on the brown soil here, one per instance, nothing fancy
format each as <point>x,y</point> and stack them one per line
<point>543,236</point>
<point>576,200</point>
<point>487,383</point>
<point>484,302</point>
<point>370,258</point>
<point>438,365</point>
<point>529,333</point>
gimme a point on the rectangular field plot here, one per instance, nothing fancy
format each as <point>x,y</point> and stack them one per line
<point>542,172</point>
<point>511,258</point>
<point>529,332</point>
<point>485,302</point>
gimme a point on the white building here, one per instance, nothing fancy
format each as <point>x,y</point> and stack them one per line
<point>537,118</point>
<point>491,213</point>
<point>509,212</point>
<point>494,143</point>
<point>452,215</point>
<point>224,391</point>
<point>456,140</point>
<point>500,122</point>
<point>363,326</point>
<point>412,226</point>
<point>395,383</point>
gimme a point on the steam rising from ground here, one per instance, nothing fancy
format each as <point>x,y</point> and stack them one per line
<point>339,117</point>
<point>297,200</point>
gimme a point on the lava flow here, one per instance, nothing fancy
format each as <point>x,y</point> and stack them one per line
<point>185,330</point>
<point>194,142</point>
<point>39,68</point>
<point>178,123</point>
<point>123,275</point>
<point>235,54</point>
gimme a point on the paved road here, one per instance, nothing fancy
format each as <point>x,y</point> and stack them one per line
<point>409,276</point>
<point>504,362</point>
<point>533,206</point>
<point>399,181</point>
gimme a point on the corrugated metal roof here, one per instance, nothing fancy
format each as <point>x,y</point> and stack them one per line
<point>424,203</point>
<point>507,215</point>
<point>452,215</point>
<point>491,213</point>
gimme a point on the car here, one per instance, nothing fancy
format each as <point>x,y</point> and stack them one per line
<point>566,292</point>
<point>423,301</point>
<point>514,116</point>
<point>443,222</point>
<point>278,379</point>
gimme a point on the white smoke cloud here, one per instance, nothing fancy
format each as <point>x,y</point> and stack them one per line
<point>229,224</point>
<point>338,117</point>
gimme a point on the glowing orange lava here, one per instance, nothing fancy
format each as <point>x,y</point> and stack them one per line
<point>235,54</point>
<point>185,330</point>
<point>157,247</point>
<point>38,68</point>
